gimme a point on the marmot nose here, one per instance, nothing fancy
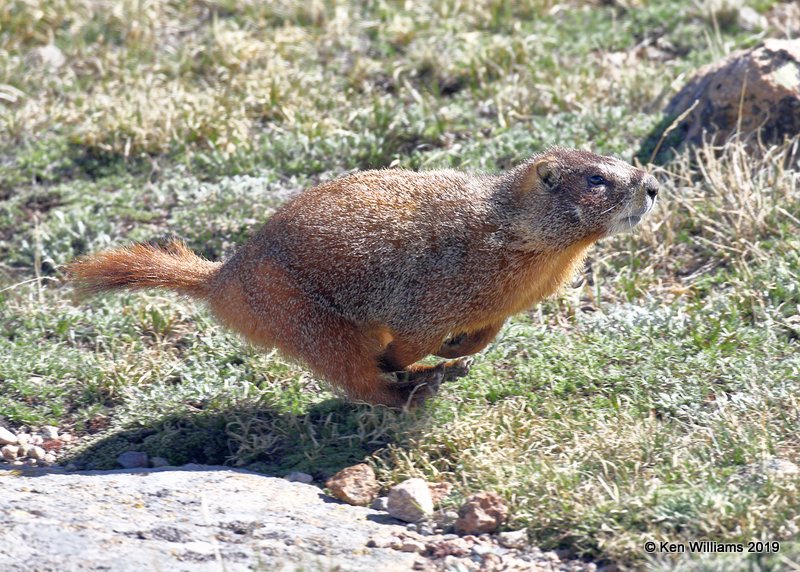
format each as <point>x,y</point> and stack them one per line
<point>651,186</point>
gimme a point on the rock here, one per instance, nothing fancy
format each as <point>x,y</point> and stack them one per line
<point>749,19</point>
<point>23,438</point>
<point>482,512</point>
<point>37,453</point>
<point>24,450</point>
<point>380,503</point>
<point>439,492</point>
<point>190,518</point>
<point>764,82</point>
<point>49,432</point>
<point>65,437</point>
<point>773,468</point>
<point>157,462</point>
<point>354,485</point>
<point>7,437</point>
<point>513,539</point>
<point>132,459</point>
<point>49,459</point>
<point>784,18</point>
<point>298,477</point>
<point>49,56</point>
<point>410,500</point>
<point>9,452</point>
<point>36,440</point>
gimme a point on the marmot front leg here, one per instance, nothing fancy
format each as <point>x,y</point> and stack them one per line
<point>468,343</point>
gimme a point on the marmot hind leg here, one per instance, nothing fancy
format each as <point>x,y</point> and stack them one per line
<point>400,359</point>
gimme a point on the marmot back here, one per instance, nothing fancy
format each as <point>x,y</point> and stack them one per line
<point>364,276</point>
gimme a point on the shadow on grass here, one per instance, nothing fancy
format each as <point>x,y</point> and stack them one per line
<point>320,439</point>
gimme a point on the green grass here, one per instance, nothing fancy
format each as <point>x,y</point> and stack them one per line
<point>628,408</point>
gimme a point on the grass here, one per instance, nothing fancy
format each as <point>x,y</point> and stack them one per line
<point>631,407</point>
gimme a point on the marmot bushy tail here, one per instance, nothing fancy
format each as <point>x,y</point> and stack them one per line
<point>171,265</point>
<point>364,276</point>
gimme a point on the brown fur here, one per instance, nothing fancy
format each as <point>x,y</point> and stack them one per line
<point>364,276</point>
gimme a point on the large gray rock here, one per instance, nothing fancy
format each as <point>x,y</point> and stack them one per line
<point>193,518</point>
<point>752,91</point>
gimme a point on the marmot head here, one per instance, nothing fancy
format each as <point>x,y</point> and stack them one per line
<point>566,196</point>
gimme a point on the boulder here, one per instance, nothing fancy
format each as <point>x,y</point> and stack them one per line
<point>752,91</point>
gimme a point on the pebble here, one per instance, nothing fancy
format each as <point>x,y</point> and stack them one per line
<point>49,459</point>
<point>7,437</point>
<point>24,438</point>
<point>513,539</point>
<point>49,432</point>
<point>37,453</point>
<point>24,450</point>
<point>65,437</point>
<point>355,485</point>
<point>9,452</point>
<point>36,440</point>
<point>299,477</point>
<point>410,500</point>
<point>481,512</point>
<point>132,459</point>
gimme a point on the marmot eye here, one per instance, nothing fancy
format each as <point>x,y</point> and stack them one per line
<point>597,180</point>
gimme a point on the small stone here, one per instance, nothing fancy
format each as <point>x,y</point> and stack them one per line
<point>380,503</point>
<point>7,437</point>
<point>10,452</point>
<point>410,500</point>
<point>132,459</point>
<point>749,19</point>
<point>48,56</point>
<point>24,450</point>
<point>49,432</point>
<point>411,526</point>
<point>65,437</point>
<point>156,462</point>
<point>299,477</point>
<point>425,529</point>
<point>439,492</point>
<point>37,453</point>
<point>17,463</point>
<point>513,539</point>
<point>49,459</point>
<point>31,462</point>
<point>482,512</point>
<point>481,550</point>
<point>412,546</point>
<point>36,440</point>
<point>24,438</point>
<point>354,485</point>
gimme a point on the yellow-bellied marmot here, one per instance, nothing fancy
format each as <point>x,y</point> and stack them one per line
<point>363,276</point>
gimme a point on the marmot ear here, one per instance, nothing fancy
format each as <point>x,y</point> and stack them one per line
<point>548,172</point>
